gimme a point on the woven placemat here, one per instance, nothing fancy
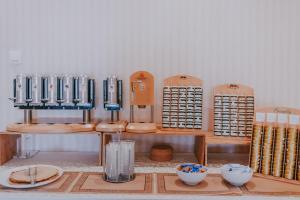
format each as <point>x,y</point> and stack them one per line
<point>93,183</point>
<point>61,185</point>
<point>212,185</point>
<point>269,185</point>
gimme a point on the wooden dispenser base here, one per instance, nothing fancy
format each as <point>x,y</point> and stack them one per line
<point>108,127</point>
<point>141,128</point>
<point>55,125</point>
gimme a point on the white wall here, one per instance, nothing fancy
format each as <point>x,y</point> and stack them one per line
<point>253,42</point>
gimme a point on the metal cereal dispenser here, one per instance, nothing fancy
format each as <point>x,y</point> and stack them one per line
<point>46,92</point>
<point>113,95</point>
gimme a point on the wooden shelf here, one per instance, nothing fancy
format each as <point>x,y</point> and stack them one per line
<point>199,146</point>
<point>213,139</point>
<point>172,131</point>
<point>224,140</point>
<point>52,126</point>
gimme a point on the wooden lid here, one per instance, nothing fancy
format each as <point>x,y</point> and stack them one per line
<point>182,80</point>
<point>233,89</point>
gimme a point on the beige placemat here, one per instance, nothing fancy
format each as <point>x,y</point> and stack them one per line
<point>94,183</point>
<point>212,185</point>
<point>266,185</point>
<point>61,185</point>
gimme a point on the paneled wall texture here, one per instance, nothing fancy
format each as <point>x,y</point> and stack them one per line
<point>252,42</point>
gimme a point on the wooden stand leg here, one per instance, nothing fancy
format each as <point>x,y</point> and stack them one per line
<point>8,147</point>
<point>200,149</point>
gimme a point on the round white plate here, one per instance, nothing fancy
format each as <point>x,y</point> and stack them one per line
<point>4,177</point>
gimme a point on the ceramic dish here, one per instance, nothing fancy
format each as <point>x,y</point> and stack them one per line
<point>4,177</point>
<point>236,174</point>
<point>191,173</point>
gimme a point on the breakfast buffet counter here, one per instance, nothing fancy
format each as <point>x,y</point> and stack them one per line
<point>151,191</point>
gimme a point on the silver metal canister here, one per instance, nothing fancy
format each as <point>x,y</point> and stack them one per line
<point>60,90</point>
<point>83,91</point>
<point>20,90</point>
<point>68,89</point>
<point>45,89</point>
<point>28,89</point>
<point>111,91</point>
<point>52,90</point>
<point>76,97</point>
<point>36,90</point>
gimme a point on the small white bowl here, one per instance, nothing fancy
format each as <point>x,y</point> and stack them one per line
<point>236,174</point>
<point>192,178</point>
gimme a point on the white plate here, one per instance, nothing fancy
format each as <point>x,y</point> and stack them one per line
<point>4,177</point>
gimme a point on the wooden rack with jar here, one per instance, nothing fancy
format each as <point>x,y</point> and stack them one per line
<point>275,147</point>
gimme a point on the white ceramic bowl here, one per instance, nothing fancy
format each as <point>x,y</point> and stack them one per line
<point>192,178</point>
<point>236,174</point>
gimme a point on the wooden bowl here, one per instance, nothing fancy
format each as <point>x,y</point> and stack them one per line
<point>161,153</point>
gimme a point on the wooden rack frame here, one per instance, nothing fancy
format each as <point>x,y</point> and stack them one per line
<point>233,110</point>
<point>273,125</point>
<point>182,102</point>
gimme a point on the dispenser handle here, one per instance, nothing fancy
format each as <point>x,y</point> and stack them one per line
<point>91,91</point>
<point>105,92</point>
<point>120,92</point>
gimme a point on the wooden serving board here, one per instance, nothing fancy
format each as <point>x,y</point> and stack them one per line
<point>212,185</point>
<point>94,183</point>
<point>268,185</point>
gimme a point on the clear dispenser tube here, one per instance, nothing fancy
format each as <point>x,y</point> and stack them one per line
<point>119,161</point>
